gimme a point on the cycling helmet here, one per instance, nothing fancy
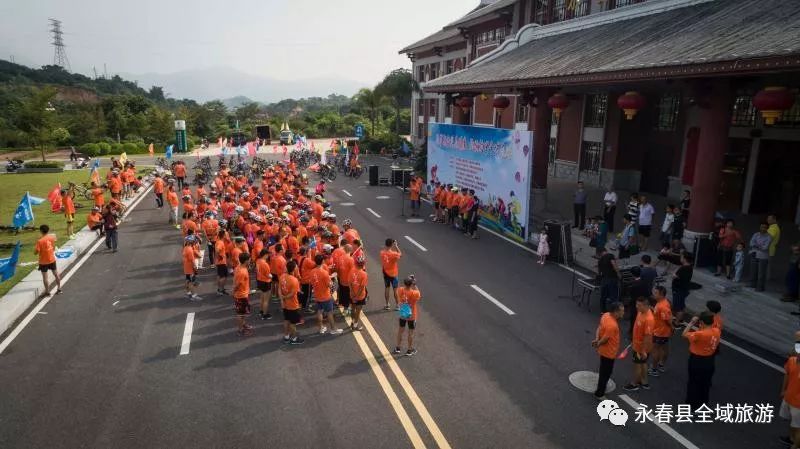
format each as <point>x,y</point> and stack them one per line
<point>361,260</point>
<point>347,222</point>
<point>325,214</point>
<point>239,209</point>
<point>327,248</point>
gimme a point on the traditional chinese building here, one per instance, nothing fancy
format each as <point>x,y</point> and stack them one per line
<point>655,96</point>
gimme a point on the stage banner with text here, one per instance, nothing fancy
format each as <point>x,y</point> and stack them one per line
<point>496,163</point>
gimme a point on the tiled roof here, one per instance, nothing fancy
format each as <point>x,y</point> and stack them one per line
<point>496,6</point>
<point>704,32</point>
<point>438,36</point>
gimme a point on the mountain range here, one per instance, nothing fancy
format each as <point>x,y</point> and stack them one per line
<point>218,83</point>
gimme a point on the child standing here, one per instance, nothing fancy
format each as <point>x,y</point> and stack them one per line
<point>738,262</point>
<point>544,247</point>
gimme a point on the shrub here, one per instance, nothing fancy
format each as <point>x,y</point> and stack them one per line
<point>105,147</point>
<point>48,164</point>
<point>116,148</point>
<point>90,149</point>
<point>129,148</point>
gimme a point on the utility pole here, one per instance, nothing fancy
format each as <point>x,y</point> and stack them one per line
<point>60,54</point>
<point>94,69</point>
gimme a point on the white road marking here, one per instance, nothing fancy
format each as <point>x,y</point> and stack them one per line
<point>373,213</point>
<point>115,303</point>
<point>38,308</point>
<point>187,333</point>
<point>752,356</point>
<point>667,429</point>
<point>347,204</point>
<point>346,192</point>
<point>491,298</point>
<point>415,220</point>
<point>382,197</point>
<point>415,243</point>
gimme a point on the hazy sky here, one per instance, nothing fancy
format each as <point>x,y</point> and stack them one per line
<point>284,39</point>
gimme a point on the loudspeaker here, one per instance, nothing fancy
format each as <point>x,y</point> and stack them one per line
<point>559,237</point>
<point>373,175</point>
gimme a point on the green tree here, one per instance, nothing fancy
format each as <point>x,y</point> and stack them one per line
<point>246,113</point>
<point>372,100</point>
<point>37,118</point>
<point>398,85</point>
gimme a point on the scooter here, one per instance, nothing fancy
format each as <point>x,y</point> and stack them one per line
<point>81,163</point>
<point>13,165</point>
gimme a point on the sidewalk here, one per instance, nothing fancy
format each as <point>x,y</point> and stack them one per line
<point>756,317</point>
<point>22,296</point>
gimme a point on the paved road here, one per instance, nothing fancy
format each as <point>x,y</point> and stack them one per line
<point>102,368</point>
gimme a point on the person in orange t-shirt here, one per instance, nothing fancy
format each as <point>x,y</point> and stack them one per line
<point>172,199</point>
<point>221,261</point>
<point>68,204</point>
<point>288,288</point>
<point>662,313</point>
<point>115,184</point>
<point>642,344</point>
<point>241,294</point>
<point>790,393</point>
<point>180,173</point>
<point>321,291</point>
<point>46,249</point>
<point>390,255</point>
<point>95,220</point>
<point>277,265</point>
<point>263,283</point>
<point>344,266</point>
<point>607,343</point>
<point>306,266</point>
<point>158,189</point>
<point>98,196</point>
<point>358,290</point>
<point>702,348</point>
<point>414,192</point>
<point>408,294</point>
<point>190,253</point>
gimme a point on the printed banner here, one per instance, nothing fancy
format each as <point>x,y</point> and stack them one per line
<point>496,163</point>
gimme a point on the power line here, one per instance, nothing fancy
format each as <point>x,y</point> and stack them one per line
<point>60,54</point>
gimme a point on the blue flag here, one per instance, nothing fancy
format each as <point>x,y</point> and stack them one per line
<point>405,148</point>
<point>96,164</point>
<point>169,152</point>
<point>35,200</point>
<point>8,265</point>
<point>24,212</point>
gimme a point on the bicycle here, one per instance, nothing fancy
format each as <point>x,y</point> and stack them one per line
<point>84,190</point>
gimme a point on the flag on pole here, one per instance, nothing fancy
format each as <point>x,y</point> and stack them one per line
<point>24,213</point>
<point>356,150</point>
<point>94,173</point>
<point>35,200</point>
<point>405,148</point>
<point>123,158</point>
<point>150,150</point>
<point>251,148</point>
<point>8,265</point>
<point>169,151</point>
<point>54,197</point>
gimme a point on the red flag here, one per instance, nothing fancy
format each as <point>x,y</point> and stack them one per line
<point>251,148</point>
<point>55,198</point>
<point>355,149</point>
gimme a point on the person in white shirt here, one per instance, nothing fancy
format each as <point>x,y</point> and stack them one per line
<point>666,226</point>
<point>609,207</point>
<point>646,212</point>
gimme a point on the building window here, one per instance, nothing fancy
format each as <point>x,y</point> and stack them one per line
<point>490,37</point>
<point>448,109</point>
<point>541,11</point>
<point>569,9</point>
<point>621,3</point>
<point>668,108</point>
<point>596,111</point>
<point>791,117</point>
<point>522,111</point>
<point>421,74</point>
<point>743,114</point>
<point>433,109</point>
<point>591,153</point>
<point>420,107</point>
<point>448,66</point>
<point>434,71</point>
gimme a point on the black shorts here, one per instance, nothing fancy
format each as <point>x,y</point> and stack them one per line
<point>263,286</point>
<point>344,295</point>
<point>48,267</point>
<point>389,280</point>
<point>660,340</point>
<point>191,277</point>
<point>359,302</point>
<point>242,306</point>
<point>292,316</point>
<point>639,361</point>
<point>645,230</point>
<point>435,204</point>
<point>222,271</point>
<point>412,324</point>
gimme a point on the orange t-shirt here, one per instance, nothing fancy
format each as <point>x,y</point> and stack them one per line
<point>211,229</point>
<point>180,171</point>
<point>115,185</point>
<point>642,328</point>
<point>99,200</point>
<point>158,185</point>
<point>343,269</point>
<point>414,191</point>
<point>45,248</point>
<point>663,318</point>
<point>172,199</point>
<point>703,342</point>
<point>405,294</point>
<point>235,256</point>
<point>188,224</point>
<point>350,235</point>
<point>307,265</point>
<point>262,271</point>
<point>289,286</point>
<point>389,262</point>
<point>241,283</point>
<point>320,284</point>
<point>190,253</point>
<point>358,284</point>
<point>94,219</point>
<point>792,393</point>
<point>609,328</point>
<point>219,252</point>
<point>69,205</point>
<point>277,265</point>
<point>717,324</point>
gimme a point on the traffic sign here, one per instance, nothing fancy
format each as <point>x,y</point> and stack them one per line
<point>359,131</point>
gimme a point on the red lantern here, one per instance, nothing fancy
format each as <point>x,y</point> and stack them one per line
<point>501,103</point>
<point>558,102</point>
<point>631,103</point>
<point>465,103</point>
<point>772,101</point>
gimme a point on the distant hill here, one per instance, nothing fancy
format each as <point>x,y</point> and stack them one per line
<point>235,102</point>
<point>219,83</point>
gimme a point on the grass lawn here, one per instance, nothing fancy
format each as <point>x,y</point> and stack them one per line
<point>12,188</point>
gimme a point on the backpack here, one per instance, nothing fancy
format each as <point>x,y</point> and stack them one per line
<point>404,311</point>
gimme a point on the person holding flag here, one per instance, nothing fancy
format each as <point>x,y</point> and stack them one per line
<point>8,265</point>
<point>46,249</point>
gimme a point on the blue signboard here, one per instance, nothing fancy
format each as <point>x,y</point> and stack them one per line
<point>360,131</point>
